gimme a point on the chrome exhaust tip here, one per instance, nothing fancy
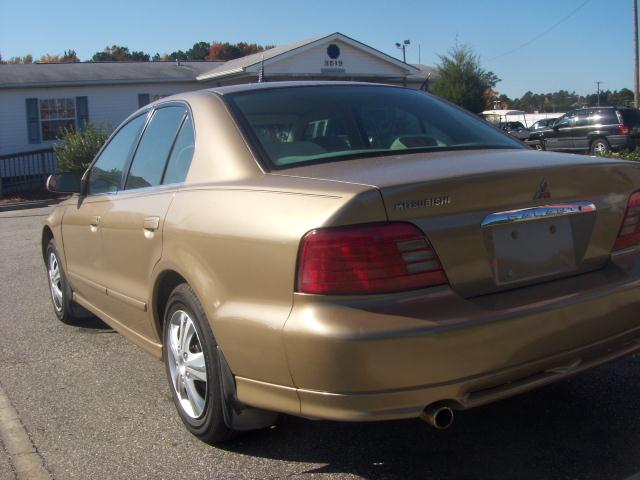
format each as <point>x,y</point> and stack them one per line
<point>438,415</point>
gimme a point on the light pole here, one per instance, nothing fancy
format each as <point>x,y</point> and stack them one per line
<point>598,82</point>
<point>403,46</point>
<point>636,83</point>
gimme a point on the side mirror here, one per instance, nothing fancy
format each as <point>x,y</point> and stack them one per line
<point>65,182</point>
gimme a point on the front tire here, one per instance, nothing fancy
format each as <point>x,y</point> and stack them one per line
<point>540,146</point>
<point>65,308</point>
<point>191,362</point>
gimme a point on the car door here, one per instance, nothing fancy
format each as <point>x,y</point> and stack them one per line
<point>132,228</point>
<point>82,222</point>
<point>583,125</point>
<point>560,135</point>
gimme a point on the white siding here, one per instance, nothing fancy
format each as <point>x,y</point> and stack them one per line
<point>108,105</point>
<point>355,62</point>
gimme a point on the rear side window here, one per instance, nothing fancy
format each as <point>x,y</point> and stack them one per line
<point>106,173</point>
<point>605,116</point>
<point>155,145</point>
<point>181,154</point>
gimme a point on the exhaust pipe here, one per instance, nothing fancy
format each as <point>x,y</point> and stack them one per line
<point>438,415</point>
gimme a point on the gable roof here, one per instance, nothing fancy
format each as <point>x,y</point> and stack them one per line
<point>99,73</point>
<point>245,64</point>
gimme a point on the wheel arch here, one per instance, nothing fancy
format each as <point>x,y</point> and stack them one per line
<point>47,236</point>
<point>166,281</point>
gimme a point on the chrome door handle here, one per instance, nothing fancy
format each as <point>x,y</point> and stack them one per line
<point>151,223</point>
<point>95,221</point>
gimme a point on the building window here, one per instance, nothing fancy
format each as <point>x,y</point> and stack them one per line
<point>56,114</point>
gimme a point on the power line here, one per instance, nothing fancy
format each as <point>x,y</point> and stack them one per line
<point>537,37</point>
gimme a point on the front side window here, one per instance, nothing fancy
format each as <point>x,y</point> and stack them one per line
<point>585,118</point>
<point>567,120</point>
<point>297,125</point>
<point>106,173</point>
<point>55,115</point>
<point>155,145</point>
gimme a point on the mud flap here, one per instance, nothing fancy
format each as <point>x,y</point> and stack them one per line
<point>238,416</point>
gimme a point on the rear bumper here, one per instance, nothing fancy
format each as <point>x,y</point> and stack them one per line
<point>393,355</point>
<point>623,142</point>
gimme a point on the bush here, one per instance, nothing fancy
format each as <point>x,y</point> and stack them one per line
<point>78,147</point>
<point>628,155</point>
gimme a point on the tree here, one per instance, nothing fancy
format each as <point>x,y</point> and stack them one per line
<point>229,51</point>
<point>178,55</point>
<point>47,58</point>
<point>139,57</point>
<point>70,56</point>
<point>27,59</point>
<point>199,51</point>
<point>462,80</point>
<point>117,53</point>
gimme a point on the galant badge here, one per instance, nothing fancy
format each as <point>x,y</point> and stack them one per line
<point>542,211</point>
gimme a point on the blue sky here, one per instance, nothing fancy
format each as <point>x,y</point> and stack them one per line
<point>593,44</point>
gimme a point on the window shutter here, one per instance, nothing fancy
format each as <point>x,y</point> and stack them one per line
<point>143,99</point>
<point>33,120</point>
<point>82,112</point>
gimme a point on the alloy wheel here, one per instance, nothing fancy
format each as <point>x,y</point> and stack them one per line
<point>600,148</point>
<point>55,282</point>
<point>187,364</point>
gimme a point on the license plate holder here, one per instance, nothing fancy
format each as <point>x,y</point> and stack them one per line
<point>528,250</point>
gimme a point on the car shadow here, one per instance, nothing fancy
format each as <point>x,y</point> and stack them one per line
<point>585,427</point>
<point>93,324</point>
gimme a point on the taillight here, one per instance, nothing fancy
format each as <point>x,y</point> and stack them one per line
<point>373,258</point>
<point>630,230</point>
<point>624,129</point>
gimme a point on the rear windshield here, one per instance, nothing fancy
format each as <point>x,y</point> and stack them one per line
<point>293,126</point>
<point>631,116</point>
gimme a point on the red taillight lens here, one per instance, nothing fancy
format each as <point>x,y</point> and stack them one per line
<point>624,129</point>
<point>630,230</point>
<point>373,258</point>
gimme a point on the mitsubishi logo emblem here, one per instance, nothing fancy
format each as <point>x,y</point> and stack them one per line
<point>543,190</point>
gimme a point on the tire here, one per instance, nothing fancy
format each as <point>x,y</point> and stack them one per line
<point>65,308</point>
<point>600,146</point>
<point>540,146</point>
<point>193,372</point>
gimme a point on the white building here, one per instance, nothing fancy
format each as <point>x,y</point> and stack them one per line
<point>37,100</point>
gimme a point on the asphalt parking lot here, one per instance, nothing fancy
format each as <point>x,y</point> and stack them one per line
<point>97,407</point>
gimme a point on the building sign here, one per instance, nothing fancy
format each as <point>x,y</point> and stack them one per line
<point>333,64</point>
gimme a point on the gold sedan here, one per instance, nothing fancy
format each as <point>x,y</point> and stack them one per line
<point>345,251</point>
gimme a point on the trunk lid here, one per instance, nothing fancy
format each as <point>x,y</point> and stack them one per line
<point>568,209</point>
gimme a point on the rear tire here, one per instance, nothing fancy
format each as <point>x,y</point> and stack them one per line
<point>193,370</point>
<point>65,308</point>
<point>600,146</point>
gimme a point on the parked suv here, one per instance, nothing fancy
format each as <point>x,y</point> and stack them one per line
<point>595,129</point>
